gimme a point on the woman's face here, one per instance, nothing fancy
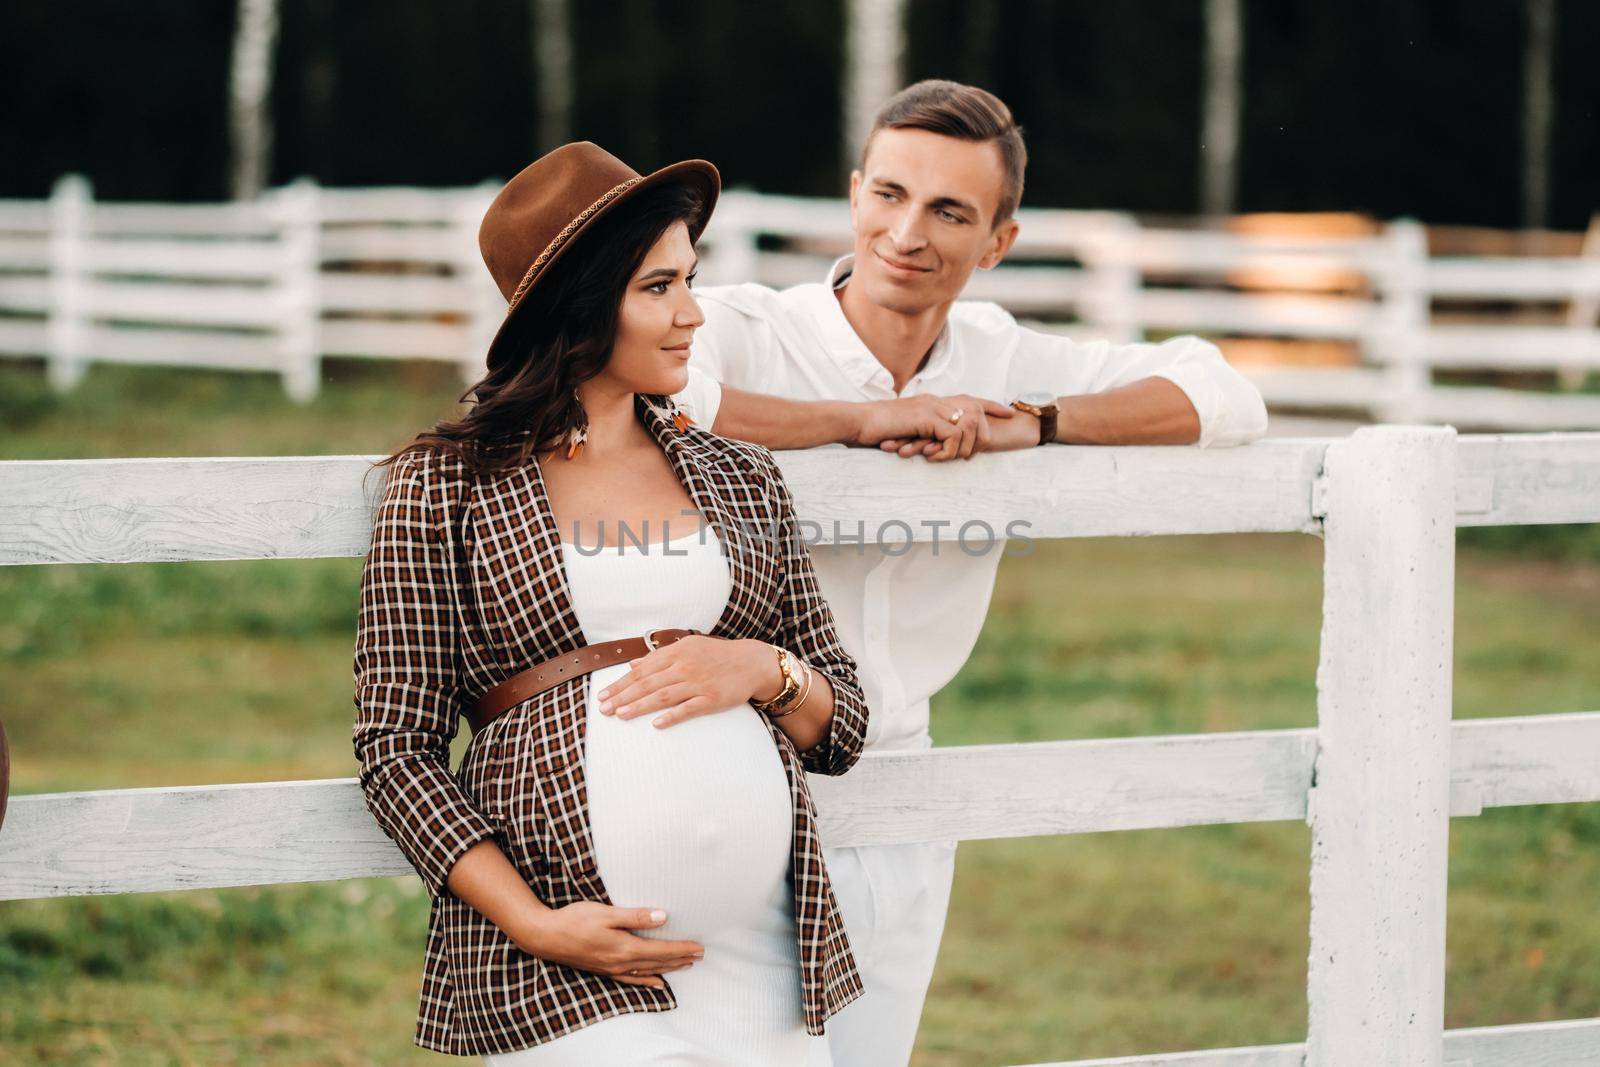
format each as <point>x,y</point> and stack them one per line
<point>658,319</point>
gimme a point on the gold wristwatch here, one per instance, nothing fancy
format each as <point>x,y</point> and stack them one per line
<point>782,704</point>
<point>1043,405</point>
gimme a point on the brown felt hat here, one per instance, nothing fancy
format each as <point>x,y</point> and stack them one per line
<point>545,209</point>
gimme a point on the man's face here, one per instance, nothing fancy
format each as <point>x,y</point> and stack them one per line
<point>923,208</point>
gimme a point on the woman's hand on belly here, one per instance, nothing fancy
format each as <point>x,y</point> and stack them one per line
<point>598,938</point>
<point>694,676</point>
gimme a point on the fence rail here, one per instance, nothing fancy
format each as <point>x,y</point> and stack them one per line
<point>1386,501</point>
<point>304,272</point>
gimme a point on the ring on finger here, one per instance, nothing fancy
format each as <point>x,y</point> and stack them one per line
<point>955,416</point>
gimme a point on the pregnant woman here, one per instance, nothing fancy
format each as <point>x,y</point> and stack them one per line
<point>620,604</point>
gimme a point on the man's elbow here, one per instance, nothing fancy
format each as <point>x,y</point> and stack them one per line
<point>1258,419</point>
<point>1239,411</point>
<point>1248,424</point>
<point>1252,414</point>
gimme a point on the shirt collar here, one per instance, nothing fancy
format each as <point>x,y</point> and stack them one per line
<point>852,354</point>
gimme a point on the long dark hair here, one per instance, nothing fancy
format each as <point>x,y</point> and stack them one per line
<point>526,402</point>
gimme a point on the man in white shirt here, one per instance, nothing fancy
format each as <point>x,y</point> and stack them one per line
<point>881,354</point>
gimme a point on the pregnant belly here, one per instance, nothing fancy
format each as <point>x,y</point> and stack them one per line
<point>695,819</point>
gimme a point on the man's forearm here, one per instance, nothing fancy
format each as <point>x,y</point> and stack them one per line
<point>1150,411</point>
<point>778,422</point>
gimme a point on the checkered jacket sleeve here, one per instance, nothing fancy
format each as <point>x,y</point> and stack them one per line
<point>806,628</point>
<point>406,695</point>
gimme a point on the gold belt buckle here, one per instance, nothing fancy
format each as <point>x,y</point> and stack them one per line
<point>650,636</point>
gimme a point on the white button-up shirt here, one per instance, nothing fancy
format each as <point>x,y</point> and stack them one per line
<point>911,616</point>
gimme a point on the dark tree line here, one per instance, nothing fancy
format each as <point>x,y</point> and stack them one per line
<point>1398,107</point>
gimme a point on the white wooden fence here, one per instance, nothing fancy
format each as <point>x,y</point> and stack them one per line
<point>1378,779</point>
<point>277,283</point>
<point>272,284</point>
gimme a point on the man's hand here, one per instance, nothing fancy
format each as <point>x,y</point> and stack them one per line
<point>932,421</point>
<point>1019,431</point>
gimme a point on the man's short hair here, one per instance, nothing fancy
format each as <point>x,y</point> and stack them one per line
<point>965,112</point>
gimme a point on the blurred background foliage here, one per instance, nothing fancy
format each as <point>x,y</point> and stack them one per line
<point>1401,107</point>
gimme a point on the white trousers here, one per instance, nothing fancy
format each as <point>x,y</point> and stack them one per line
<point>893,899</point>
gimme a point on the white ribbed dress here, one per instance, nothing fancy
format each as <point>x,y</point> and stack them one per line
<point>696,819</point>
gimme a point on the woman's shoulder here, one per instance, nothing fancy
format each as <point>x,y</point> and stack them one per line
<point>423,464</point>
<point>427,473</point>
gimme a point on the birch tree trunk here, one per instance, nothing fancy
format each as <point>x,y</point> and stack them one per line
<point>875,45</point>
<point>1538,108</point>
<point>1219,136</point>
<point>552,70</point>
<point>249,98</point>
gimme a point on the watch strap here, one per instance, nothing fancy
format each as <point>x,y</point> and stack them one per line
<point>1047,424</point>
<point>1046,414</point>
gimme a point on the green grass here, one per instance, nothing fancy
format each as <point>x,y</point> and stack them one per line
<point>1057,947</point>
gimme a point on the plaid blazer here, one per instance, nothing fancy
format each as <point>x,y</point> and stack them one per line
<point>464,585</point>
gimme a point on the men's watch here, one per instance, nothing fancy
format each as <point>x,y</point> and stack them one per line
<point>1043,405</point>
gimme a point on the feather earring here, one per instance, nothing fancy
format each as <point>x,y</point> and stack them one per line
<point>578,434</point>
<point>576,437</point>
<point>676,415</point>
<point>679,418</point>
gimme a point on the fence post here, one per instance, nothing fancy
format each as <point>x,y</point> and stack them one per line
<point>1379,806</point>
<point>1111,301</point>
<point>486,305</point>
<point>71,207</point>
<point>1584,306</point>
<point>299,291</point>
<point>1401,337</point>
<point>735,255</point>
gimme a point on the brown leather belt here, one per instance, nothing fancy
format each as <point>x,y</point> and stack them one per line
<point>552,672</point>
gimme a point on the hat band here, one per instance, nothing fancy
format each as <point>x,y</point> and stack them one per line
<point>561,238</point>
